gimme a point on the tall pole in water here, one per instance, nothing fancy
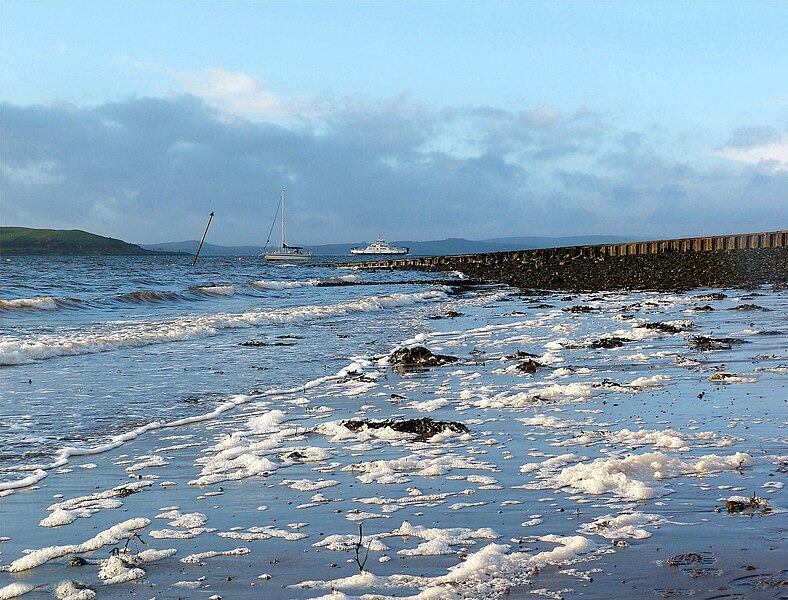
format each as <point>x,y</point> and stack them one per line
<point>283,220</point>
<point>203,239</point>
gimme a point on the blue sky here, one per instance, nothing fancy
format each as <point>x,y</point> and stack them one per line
<point>414,120</point>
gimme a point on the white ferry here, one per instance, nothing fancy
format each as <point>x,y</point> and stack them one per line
<point>380,247</point>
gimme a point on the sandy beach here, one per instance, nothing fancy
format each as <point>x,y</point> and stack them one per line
<point>618,445</point>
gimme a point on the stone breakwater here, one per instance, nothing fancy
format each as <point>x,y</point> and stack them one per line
<point>717,261</point>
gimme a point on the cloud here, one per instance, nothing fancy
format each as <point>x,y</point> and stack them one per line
<point>773,156</point>
<point>151,169</point>
<point>238,93</point>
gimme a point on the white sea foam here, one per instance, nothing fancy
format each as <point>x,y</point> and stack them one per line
<point>109,536</point>
<point>32,479</point>
<point>398,470</point>
<point>16,350</point>
<point>439,541</point>
<point>16,589</point>
<point>283,285</point>
<point>640,476</point>
<point>201,556</point>
<point>113,570</point>
<point>630,525</point>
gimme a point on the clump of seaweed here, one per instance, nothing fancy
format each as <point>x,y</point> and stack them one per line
<point>738,504</point>
<point>578,309</point>
<point>705,343</point>
<point>660,326</point>
<point>608,342</point>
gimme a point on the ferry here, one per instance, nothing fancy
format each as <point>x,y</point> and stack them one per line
<point>380,247</point>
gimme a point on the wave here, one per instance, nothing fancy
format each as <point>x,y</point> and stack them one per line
<point>39,471</point>
<point>146,297</point>
<point>214,290</point>
<point>24,350</point>
<point>38,303</point>
<point>283,285</point>
<point>325,282</point>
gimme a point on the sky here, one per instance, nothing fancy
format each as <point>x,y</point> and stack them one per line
<point>411,120</point>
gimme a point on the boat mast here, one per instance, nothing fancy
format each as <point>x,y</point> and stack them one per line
<point>283,220</point>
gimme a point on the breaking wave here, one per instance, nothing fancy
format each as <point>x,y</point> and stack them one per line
<point>39,303</point>
<point>214,290</point>
<point>22,350</point>
<point>146,297</point>
<point>325,282</point>
<point>283,285</point>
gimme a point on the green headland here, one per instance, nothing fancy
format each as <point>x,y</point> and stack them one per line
<point>23,241</point>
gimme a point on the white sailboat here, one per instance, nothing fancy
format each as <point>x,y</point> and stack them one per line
<point>285,252</point>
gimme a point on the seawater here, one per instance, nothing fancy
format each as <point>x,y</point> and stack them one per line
<point>95,347</point>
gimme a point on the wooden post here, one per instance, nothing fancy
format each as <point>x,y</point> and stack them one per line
<point>199,247</point>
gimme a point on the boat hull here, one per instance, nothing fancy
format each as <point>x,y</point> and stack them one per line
<point>288,256</point>
<point>378,252</point>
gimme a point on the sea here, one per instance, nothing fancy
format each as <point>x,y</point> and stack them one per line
<point>232,429</point>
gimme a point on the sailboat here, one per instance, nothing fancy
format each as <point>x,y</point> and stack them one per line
<point>285,252</point>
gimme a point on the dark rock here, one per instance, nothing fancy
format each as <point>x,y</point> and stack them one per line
<point>714,296</point>
<point>591,268</point>
<point>520,355</point>
<point>258,344</point>
<point>608,383</point>
<point>705,308</point>
<point>423,428</point>
<point>295,455</point>
<point>451,314</point>
<point>357,376</point>
<point>750,307</point>
<point>419,356</point>
<point>529,366</point>
<point>77,561</point>
<point>124,492</point>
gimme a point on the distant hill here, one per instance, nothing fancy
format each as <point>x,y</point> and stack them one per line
<point>190,247</point>
<point>560,242</point>
<point>448,246</point>
<point>21,241</point>
<point>430,248</point>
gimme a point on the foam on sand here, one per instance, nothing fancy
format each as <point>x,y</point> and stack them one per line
<point>640,476</point>
<point>107,537</point>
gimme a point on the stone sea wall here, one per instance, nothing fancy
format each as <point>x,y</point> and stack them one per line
<point>715,261</point>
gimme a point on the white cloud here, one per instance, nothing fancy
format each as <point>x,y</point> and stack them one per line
<point>42,173</point>
<point>239,93</point>
<point>773,156</point>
